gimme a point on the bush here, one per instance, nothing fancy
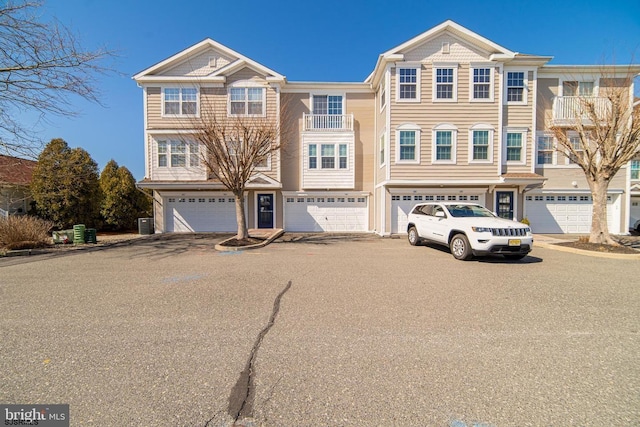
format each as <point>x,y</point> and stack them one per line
<point>24,232</point>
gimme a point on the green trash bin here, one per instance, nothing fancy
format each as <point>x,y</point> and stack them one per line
<point>90,235</point>
<point>78,233</point>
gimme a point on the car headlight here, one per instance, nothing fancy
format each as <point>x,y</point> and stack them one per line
<point>481,229</point>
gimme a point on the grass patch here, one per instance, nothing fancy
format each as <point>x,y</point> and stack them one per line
<point>24,232</point>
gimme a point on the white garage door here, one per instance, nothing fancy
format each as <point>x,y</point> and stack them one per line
<point>193,213</point>
<point>567,213</point>
<point>401,206</point>
<point>312,213</point>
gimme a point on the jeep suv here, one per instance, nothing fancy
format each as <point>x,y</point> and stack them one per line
<point>468,230</point>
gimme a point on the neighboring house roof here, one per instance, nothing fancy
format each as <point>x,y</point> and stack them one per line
<point>16,171</point>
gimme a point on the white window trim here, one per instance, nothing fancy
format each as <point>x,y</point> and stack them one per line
<point>525,90</point>
<point>327,93</point>
<point>440,66</point>
<point>383,90</point>
<point>491,68</point>
<point>523,156</point>
<point>485,127</point>
<point>567,161</point>
<point>454,139</point>
<point>418,68</point>
<point>247,84</point>
<point>554,155</point>
<point>580,79</point>
<point>177,86</point>
<point>264,168</point>
<point>168,153</point>
<point>383,138</point>
<point>336,157</point>
<point>408,127</point>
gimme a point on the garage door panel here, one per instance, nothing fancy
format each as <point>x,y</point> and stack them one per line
<point>564,213</point>
<point>317,214</point>
<point>200,214</point>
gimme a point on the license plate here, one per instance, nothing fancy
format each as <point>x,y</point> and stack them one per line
<point>514,242</point>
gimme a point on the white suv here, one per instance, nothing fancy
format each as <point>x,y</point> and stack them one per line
<point>468,229</point>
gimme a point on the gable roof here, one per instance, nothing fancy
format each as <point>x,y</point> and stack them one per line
<point>150,74</point>
<point>16,171</point>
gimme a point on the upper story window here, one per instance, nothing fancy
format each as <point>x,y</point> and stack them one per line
<point>635,169</point>
<point>246,101</point>
<point>407,144</point>
<point>445,84</point>
<point>481,84</point>
<point>515,149</point>
<point>576,144</point>
<point>383,149</point>
<point>331,155</point>
<point>575,88</point>
<point>515,87</point>
<point>408,80</point>
<point>444,143</point>
<point>383,92</point>
<point>180,101</point>
<point>545,150</point>
<point>176,153</point>
<point>481,147</point>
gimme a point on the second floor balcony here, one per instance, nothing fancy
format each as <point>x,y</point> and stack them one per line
<point>328,122</point>
<point>567,110</point>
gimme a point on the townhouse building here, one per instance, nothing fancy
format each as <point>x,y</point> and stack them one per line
<point>446,116</point>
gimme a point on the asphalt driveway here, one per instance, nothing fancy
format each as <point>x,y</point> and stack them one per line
<point>321,331</point>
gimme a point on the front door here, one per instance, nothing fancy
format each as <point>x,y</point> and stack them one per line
<point>265,210</point>
<point>504,204</point>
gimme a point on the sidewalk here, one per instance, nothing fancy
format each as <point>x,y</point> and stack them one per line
<point>548,241</point>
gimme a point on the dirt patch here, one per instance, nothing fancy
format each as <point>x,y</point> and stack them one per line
<point>596,247</point>
<point>238,243</point>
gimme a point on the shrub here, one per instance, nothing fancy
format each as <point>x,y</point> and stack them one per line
<point>525,220</point>
<point>24,232</point>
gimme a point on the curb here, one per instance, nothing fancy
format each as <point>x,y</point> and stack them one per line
<point>220,246</point>
<point>587,253</point>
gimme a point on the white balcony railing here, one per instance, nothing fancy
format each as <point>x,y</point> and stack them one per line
<point>568,109</point>
<point>328,122</point>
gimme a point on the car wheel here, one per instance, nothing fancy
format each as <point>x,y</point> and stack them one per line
<point>460,248</point>
<point>414,239</point>
<point>514,257</point>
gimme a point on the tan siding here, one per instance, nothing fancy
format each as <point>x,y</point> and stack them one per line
<point>559,177</point>
<point>460,51</point>
<point>198,65</point>
<point>547,90</point>
<point>296,105</point>
<point>361,105</point>
<point>428,114</point>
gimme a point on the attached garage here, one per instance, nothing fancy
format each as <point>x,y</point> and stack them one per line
<point>322,213</point>
<point>568,213</point>
<point>199,213</point>
<point>401,205</point>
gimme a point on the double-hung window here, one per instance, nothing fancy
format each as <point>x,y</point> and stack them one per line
<point>545,150</point>
<point>445,84</point>
<point>515,87</point>
<point>313,156</point>
<point>330,156</point>
<point>515,149</point>
<point>180,101</point>
<point>407,145</point>
<point>481,84</point>
<point>635,169</point>
<point>408,84</point>
<point>246,101</point>
<point>383,149</point>
<point>175,153</point>
<point>480,145</point>
<point>444,145</point>
<point>576,144</point>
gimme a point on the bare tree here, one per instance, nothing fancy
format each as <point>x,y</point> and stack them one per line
<point>233,146</point>
<point>608,137</point>
<point>41,65</point>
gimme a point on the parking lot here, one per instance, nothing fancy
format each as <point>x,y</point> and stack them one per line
<point>321,330</point>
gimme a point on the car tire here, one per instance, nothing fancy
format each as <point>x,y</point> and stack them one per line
<point>514,257</point>
<point>460,248</point>
<point>413,236</point>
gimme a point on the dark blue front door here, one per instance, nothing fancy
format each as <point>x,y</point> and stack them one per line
<point>265,210</point>
<point>504,204</point>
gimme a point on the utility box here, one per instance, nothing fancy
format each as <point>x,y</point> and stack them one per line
<point>145,226</point>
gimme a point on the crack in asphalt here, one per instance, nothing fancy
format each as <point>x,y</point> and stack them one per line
<point>243,393</point>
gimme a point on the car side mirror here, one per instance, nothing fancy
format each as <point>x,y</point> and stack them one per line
<point>440,214</point>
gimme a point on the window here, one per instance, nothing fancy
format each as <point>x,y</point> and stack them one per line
<point>443,145</point>
<point>573,88</point>
<point>313,156</point>
<point>545,150</point>
<point>635,169</point>
<point>407,145</point>
<point>180,101</point>
<point>174,153</point>
<point>480,145</point>
<point>383,92</point>
<point>327,111</point>
<point>515,87</point>
<point>577,146</point>
<point>342,156</point>
<point>328,156</point>
<point>408,83</point>
<point>445,88</point>
<point>382,149</point>
<point>246,101</point>
<point>514,147</point>
<point>481,84</point>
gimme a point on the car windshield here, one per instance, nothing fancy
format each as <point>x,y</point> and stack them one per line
<point>462,211</point>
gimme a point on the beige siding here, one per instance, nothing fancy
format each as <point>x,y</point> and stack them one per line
<point>563,177</point>
<point>460,51</point>
<point>361,105</point>
<point>296,105</point>
<point>199,65</point>
<point>547,90</point>
<point>428,114</point>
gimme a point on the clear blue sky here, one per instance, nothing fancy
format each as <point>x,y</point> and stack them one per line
<point>327,40</point>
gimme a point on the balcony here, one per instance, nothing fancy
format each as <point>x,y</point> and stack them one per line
<point>328,122</point>
<point>567,110</point>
